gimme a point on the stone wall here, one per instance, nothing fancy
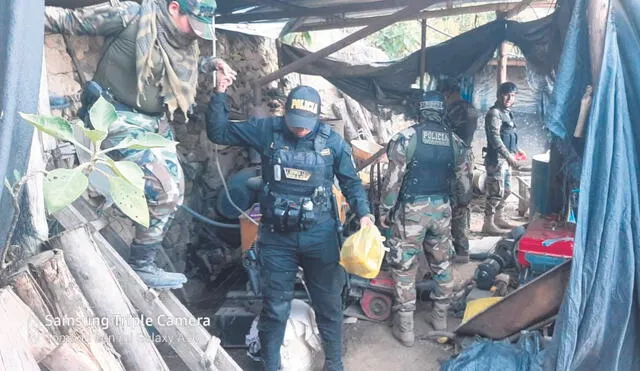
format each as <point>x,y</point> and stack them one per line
<point>252,57</point>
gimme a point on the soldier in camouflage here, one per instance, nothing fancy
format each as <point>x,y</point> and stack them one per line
<point>149,68</point>
<point>462,118</point>
<point>428,170</point>
<point>502,146</point>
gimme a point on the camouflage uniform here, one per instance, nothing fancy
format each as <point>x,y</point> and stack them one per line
<point>462,118</point>
<point>141,107</point>
<point>422,225</point>
<point>498,179</point>
<point>164,179</point>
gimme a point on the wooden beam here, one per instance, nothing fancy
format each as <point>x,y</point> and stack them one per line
<point>597,13</point>
<point>324,11</point>
<point>517,9</point>
<point>423,51</point>
<point>359,22</point>
<point>358,35</point>
<point>503,62</point>
<point>197,348</point>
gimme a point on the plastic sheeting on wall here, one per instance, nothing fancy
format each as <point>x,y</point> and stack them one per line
<point>389,83</point>
<point>21,40</point>
<point>598,328</point>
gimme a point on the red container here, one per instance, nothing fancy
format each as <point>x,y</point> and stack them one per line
<point>546,238</point>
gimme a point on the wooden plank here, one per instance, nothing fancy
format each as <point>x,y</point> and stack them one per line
<point>358,35</point>
<point>190,341</point>
<point>173,321</point>
<point>334,23</point>
<point>101,289</point>
<point>310,12</point>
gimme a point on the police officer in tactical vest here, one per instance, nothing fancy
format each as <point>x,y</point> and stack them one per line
<point>462,118</point>
<point>148,69</point>
<point>427,168</point>
<point>502,146</point>
<point>300,158</point>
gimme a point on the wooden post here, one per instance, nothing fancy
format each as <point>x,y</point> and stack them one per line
<point>358,35</point>
<point>68,310</point>
<point>102,291</point>
<point>597,13</point>
<point>339,108</point>
<point>423,52</point>
<point>503,60</point>
<point>24,328</point>
<point>31,335</point>
<point>357,115</point>
<point>191,341</point>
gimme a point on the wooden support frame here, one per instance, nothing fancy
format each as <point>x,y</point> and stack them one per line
<point>426,14</point>
<point>324,11</point>
<point>197,348</point>
<point>358,35</point>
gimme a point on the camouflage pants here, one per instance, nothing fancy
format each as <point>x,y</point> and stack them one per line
<point>164,179</point>
<point>498,186</point>
<point>460,221</point>
<point>423,226</point>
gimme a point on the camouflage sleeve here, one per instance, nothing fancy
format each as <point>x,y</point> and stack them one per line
<point>492,125</point>
<point>399,151</point>
<point>98,20</point>
<point>462,192</point>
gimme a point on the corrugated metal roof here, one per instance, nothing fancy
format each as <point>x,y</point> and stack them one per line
<point>313,11</point>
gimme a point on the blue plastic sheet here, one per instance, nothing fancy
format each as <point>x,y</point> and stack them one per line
<point>21,41</point>
<point>498,355</point>
<point>597,328</point>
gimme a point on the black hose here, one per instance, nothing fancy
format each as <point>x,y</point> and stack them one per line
<point>204,219</point>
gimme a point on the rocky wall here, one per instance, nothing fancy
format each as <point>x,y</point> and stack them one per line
<point>252,57</point>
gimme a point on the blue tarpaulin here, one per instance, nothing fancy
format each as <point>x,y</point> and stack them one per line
<point>597,328</point>
<point>21,41</point>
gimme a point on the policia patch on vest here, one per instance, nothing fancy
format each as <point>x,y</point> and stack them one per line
<point>435,138</point>
<point>297,174</point>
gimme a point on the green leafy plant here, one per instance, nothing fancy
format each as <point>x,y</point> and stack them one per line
<point>300,38</point>
<point>126,180</point>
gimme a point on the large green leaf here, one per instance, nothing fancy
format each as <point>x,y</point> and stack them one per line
<point>95,136</point>
<point>63,186</point>
<point>130,200</point>
<point>143,141</point>
<point>102,115</point>
<point>52,125</point>
<point>128,170</point>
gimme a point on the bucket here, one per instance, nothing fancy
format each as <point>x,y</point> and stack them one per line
<point>248,229</point>
<point>540,184</point>
<point>364,149</point>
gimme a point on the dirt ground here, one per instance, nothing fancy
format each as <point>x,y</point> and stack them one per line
<point>370,345</point>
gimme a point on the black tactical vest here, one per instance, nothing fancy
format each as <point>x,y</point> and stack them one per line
<point>297,181</point>
<point>507,134</point>
<point>116,72</point>
<point>431,170</point>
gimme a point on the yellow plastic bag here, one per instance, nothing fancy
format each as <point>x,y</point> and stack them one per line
<point>362,252</point>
